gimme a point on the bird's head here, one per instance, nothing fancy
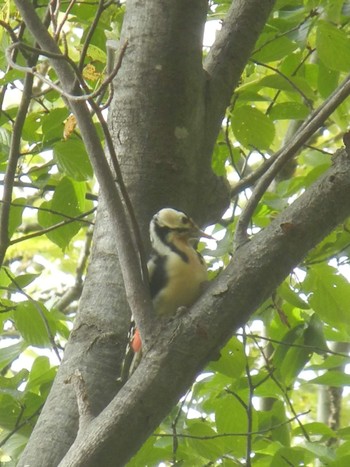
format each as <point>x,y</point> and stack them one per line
<point>169,225</point>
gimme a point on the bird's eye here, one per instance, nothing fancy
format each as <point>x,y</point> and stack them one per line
<point>185,220</point>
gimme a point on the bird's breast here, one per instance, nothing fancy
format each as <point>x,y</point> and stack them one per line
<point>183,282</point>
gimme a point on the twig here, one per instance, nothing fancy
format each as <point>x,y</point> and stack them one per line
<point>289,81</point>
<point>51,228</point>
<point>312,348</point>
<point>73,293</point>
<point>90,33</point>
<point>44,188</point>
<point>64,19</point>
<point>12,165</point>
<point>19,426</point>
<point>226,435</point>
<point>174,427</point>
<point>249,407</point>
<point>31,70</point>
<point>52,211</point>
<point>283,390</point>
<point>277,161</point>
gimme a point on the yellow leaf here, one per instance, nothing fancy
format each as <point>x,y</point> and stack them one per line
<point>69,126</point>
<point>90,73</point>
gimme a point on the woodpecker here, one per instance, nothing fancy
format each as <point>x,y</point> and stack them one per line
<point>176,269</point>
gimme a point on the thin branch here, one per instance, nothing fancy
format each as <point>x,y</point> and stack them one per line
<point>228,435</point>
<point>9,30</point>
<point>53,211</point>
<point>311,348</point>
<point>15,145</point>
<point>64,19</point>
<point>174,427</point>
<point>286,78</point>
<point>51,228</point>
<point>283,390</point>
<point>238,397</point>
<point>249,408</point>
<point>90,33</point>
<point>19,426</point>
<point>331,101</point>
<point>31,70</point>
<point>12,165</point>
<point>20,184</point>
<point>273,165</point>
<point>73,293</point>
<point>300,64</point>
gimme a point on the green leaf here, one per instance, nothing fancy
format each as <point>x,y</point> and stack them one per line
<point>219,159</point>
<point>333,46</point>
<point>314,336</point>
<point>149,454</point>
<point>292,297</point>
<point>289,111</point>
<point>289,361</point>
<point>52,123</point>
<point>327,80</point>
<point>72,159</point>
<point>9,411</point>
<point>31,324</point>
<point>252,128</point>
<point>231,417</point>
<point>94,53</point>
<point>208,448</point>
<point>10,383</point>
<point>315,428</point>
<point>290,456</point>
<point>10,353</point>
<point>320,451</point>
<point>41,373</point>
<point>342,462</point>
<point>31,127</point>
<point>279,82</point>
<point>232,360</point>
<point>69,199</point>
<point>332,378</point>
<point>329,295</point>
<point>275,419</point>
<point>5,141</point>
<point>20,282</point>
<point>274,50</point>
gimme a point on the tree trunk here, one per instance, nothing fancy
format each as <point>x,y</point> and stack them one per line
<point>164,119</point>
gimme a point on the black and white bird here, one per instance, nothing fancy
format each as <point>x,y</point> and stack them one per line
<point>177,271</point>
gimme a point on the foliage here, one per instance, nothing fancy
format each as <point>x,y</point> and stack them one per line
<point>257,402</point>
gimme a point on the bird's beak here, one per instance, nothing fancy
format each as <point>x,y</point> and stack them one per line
<point>197,233</point>
<point>202,234</point>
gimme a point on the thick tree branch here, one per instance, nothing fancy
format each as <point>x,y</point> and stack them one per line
<point>186,345</point>
<point>137,292</point>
